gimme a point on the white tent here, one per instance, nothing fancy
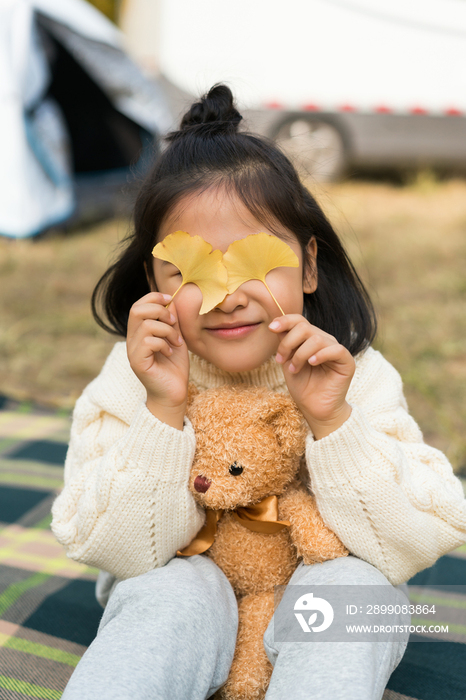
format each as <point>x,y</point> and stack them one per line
<point>75,112</point>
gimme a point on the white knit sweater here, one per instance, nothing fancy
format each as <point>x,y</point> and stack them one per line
<point>126,508</point>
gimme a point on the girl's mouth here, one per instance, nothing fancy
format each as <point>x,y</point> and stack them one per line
<point>237,332</point>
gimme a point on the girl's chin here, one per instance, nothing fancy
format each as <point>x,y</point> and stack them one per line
<point>236,360</point>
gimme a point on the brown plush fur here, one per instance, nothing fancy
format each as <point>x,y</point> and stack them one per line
<point>264,432</point>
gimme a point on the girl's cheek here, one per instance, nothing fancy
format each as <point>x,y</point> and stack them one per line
<point>283,285</point>
<point>173,283</point>
<point>188,302</point>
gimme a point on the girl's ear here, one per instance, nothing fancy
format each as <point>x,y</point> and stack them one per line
<point>310,267</point>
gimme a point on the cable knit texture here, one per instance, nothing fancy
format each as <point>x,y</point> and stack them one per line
<point>125,507</point>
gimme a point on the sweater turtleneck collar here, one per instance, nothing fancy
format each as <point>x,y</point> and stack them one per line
<point>205,375</point>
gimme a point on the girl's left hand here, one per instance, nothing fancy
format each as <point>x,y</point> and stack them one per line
<point>318,372</point>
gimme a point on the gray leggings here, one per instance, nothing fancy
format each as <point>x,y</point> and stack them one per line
<point>170,634</point>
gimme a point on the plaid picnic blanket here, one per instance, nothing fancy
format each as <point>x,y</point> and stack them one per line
<point>48,611</point>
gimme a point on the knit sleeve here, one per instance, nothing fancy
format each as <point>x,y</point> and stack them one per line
<point>125,506</point>
<point>392,500</point>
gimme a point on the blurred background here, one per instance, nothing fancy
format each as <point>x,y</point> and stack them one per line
<point>368,97</point>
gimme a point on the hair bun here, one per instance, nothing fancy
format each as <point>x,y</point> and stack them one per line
<point>214,113</point>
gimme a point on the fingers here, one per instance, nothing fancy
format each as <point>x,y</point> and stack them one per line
<point>297,332</point>
<point>304,343</point>
<point>153,344</point>
<point>149,327</point>
<point>172,310</point>
<point>288,321</point>
<point>317,353</point>
<point>153,306</point>
<point>152,326</point>
<point>154,298</point>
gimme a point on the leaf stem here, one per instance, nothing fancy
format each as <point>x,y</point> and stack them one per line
<point>174,295</point>
<point>283,313</point>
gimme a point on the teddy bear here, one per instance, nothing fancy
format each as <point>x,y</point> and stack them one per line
<point>261,520</point>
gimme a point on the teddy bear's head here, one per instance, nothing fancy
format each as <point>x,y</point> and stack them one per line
<point>249,442</point>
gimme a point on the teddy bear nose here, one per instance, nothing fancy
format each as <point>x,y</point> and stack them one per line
<point>201,484</point>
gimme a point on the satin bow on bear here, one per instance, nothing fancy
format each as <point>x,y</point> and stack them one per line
<point>260,517</point>
<point>217,275</point>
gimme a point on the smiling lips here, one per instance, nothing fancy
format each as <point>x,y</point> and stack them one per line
<point>233,331</point>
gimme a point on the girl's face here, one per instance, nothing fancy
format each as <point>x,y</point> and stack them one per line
<point>220,219</point>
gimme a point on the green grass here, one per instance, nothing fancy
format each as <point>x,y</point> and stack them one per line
<point>408,244</point>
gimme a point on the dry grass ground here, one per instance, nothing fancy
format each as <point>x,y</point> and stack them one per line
<point>408,244</point>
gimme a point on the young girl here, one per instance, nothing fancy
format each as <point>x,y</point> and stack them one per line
<point>170,622</point>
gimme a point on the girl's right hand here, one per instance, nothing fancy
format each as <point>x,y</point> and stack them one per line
<point>157,353</point>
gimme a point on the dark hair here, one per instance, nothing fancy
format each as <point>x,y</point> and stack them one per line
<point>209,151</point>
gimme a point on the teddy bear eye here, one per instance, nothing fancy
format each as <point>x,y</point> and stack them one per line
<point>236,469</point>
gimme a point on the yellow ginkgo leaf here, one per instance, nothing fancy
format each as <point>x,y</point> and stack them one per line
<point>251,258</point>
<point>198,263</point>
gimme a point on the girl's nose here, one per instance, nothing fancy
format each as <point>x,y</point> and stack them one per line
<point>237,299</point>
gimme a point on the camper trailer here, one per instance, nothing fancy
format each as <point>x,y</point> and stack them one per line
<point>342,84</point>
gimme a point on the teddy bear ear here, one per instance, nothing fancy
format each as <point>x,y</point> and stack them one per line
<point>193,391</point>
<point>282,413</point>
